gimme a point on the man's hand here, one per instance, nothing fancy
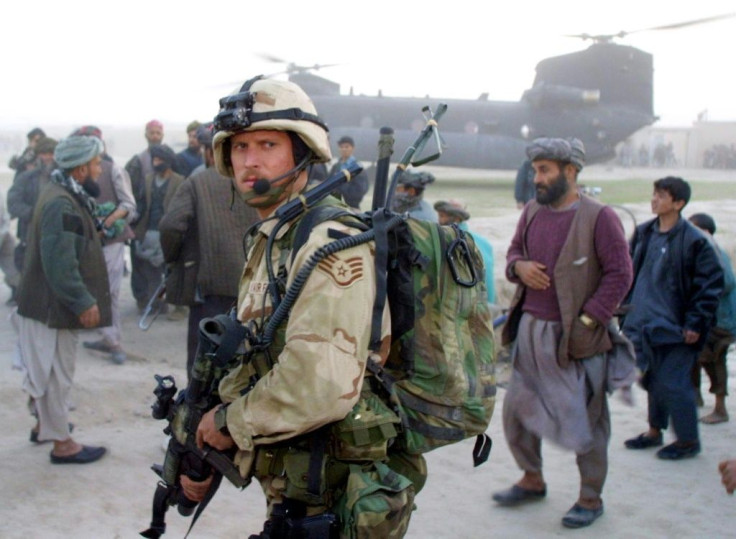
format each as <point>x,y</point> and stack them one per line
<point>532,274</point>
<point>91,317</point>
<point>207,433</point>
<point>728,474</point>
<point>195,490</point>
<point>691,337</point>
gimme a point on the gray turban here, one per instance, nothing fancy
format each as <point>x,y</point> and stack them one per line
<point>569,150</point>
<point>75,151</point>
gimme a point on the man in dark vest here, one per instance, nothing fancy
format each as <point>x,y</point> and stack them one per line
<point>64,288</point>
<point>569,258</point>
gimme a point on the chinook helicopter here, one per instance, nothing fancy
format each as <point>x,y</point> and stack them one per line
<point>601,95</point>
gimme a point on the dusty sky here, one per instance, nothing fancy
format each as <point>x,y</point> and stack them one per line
<point>82,61</point>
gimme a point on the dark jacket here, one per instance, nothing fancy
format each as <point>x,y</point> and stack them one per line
<point>695,279</point>
<point>65,272</point>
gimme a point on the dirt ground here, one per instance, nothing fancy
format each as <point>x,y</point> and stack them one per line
<point>644,496</point>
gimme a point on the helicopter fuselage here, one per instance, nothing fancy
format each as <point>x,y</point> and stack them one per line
<point>601,95</point>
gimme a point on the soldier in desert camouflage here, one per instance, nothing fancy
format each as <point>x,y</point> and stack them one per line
<point>310,381</point>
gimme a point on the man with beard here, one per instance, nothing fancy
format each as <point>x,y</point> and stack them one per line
<point>569,258</point>
<point>64,288</point>
<point>23,193</point>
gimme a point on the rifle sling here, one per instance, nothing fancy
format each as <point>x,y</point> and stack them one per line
<point>216,480</point>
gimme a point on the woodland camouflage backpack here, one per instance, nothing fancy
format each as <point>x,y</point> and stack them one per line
<point>439,376</point>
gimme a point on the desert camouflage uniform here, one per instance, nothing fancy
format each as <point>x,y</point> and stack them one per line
<point>320,356</point>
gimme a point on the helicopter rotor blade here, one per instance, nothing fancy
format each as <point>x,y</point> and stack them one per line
<point>271,58</point>
<point>684,24</point>
<point>606,38</point>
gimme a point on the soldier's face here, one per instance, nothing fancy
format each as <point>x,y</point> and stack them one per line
<point>263,155</point>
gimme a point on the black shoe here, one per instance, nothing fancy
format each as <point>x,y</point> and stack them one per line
<point>34,435</point>
<point>580,517</point>
<point>86,455</point>
<point>678,451</point>
<point>643,442</point>
<point>100,346</point>
<point>517,495</point>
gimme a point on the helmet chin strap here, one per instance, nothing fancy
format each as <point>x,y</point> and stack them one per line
<point>266,188</point>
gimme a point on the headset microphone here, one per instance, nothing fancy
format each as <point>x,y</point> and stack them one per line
<point>261,186</point>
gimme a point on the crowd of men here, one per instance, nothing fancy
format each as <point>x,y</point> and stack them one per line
<point>592,310</point>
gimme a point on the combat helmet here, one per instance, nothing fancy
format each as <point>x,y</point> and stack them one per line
<point>272,104</point>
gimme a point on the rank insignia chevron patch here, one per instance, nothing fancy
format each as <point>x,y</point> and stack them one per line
<point>343,272</point>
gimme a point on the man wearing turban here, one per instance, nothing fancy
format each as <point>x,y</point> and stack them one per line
<point>64,288</point>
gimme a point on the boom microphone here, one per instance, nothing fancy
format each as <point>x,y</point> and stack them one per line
<point>261,186</point>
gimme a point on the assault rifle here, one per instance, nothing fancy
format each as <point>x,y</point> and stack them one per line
<point>220,349</point>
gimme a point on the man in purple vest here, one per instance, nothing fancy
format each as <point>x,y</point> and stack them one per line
<point>569,258</point>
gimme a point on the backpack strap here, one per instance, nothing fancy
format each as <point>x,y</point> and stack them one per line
<point>381,268</point>
<point>316,216</point>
